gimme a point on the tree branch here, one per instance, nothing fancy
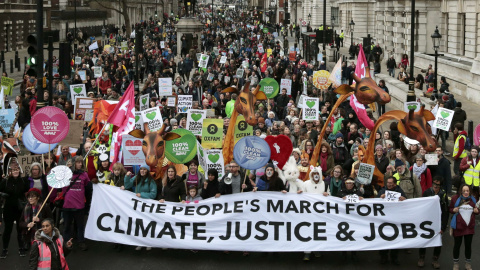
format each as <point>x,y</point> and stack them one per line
<point>112,8</point>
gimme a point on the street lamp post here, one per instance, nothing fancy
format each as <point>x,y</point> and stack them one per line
<point>436,37</point>
<point>352,27</point>
<point>333,31</point>
<point>309,18</point>
<point>411,84</point>
<point>324,52</point>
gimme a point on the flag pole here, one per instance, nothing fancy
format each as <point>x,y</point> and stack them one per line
<point>96,139</point>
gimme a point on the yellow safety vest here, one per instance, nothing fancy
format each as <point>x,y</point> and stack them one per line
<point>320,28</point>
<point>342,35</point>
<point>371,47</point>
<point>472,175</point>
<point>455,147</point>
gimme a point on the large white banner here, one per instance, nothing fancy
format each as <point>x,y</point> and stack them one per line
<point>264,221</point>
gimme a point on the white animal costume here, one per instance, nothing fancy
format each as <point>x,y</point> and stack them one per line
<point>312,185</point>
<point>290,176</point>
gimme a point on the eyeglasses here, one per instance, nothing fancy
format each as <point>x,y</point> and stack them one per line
<point>337,172</point>
<point>435,185</point>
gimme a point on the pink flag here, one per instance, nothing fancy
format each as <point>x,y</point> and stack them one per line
<point>360,71</point>
<point>127,102</point>
<point>124,118</point>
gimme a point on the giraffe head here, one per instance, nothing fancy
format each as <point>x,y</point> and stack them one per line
<point>366,90</point>
<point>245,103</point>
<point>414,125</point>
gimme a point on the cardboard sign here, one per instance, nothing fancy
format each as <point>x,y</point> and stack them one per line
<point>212,133</point>
<point>26,162</point>
<point>310,108</point>
<point>414,105</point>
<point>76,130</point>
<point>144,102</point>
<point>365,173</point>
<point>153,118</point>
<point>184,103</point>
<point>171,101</point>
<point>7,85</point>
<point>286,84</point>
<point>77,90</point>
<point>443,119</point>
<point>223,60</point>
<point>84,108</point>
<point>132,150</point>
<point>214,160</point>
<point>392,196</point>
<point>195,121</point>
<point>165,86</point>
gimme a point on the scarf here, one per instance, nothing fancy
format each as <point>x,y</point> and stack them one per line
<point>335,186</point>
<point>453,223</point>
<point>419,170</point>
<point>323,161</point>
<point>51,240</point>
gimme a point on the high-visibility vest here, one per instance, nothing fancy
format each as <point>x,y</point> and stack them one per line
<point>342,35</point>
<point>45,255</point>
<point>371,47</point>
<point>455,147</point>
<point>472,175</point>
<point>320,28</point>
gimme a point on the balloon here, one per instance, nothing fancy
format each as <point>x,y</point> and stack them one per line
<point>33,145</point>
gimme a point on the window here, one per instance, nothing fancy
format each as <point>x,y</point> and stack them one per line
<point>334,15</point>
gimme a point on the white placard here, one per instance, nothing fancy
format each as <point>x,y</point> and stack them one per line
<point>287,84</point>
<point>184,103</point>
<point>162,44</point>
<point>240,73</point>
<point>138,120</point>
<point>466,213</point>
<point>144,102</point>
<point>171,101</point>
<point>97,72</point>
<point>432,159</point>
<point>353,198</point>
<point>78,60</point>
<point>93,46</point>
<point>300,101</point>
<point>211,224</point>
<point>203,61</point>
<point>223,60</point>
<point>392,196</point>
<point>443,119</point>
<point>214,160</point>
<point>164,87</point>
<point>365,173</point>
<point>260,48</point>
<point>245,64</point>
<point>153,118</point>
<point>310,108</point>
<point>77,90</point>
<point>132,150</point>
<point>227,79</point>
<point>201,158</point>
<point>210,77</point>
<point>59,177</point>
<point>195,121</point>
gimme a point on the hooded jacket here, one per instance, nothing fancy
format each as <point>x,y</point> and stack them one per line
<point>56,263</point>
<point>459,116</point>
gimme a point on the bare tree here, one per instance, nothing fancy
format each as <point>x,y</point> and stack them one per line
<point>122,11</point>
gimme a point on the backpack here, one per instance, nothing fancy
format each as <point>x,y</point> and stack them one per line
<point>468,144</point>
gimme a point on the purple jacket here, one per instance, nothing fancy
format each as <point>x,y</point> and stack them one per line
<point>75,197</point>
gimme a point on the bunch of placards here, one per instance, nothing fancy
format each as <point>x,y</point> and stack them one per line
<point>195,121</point>
<point>153,118</point>
<point>310,108</point>
<point>184,103</point>
<point>165,86</point>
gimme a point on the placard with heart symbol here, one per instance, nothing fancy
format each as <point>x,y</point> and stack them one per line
<point>215,161</point>
<point>50,125</point>
<point>310,108</point>
<point>270,87</point>
<point>144,102</point>
<point>153,118</point>
<point>411,105</point>
<point>310,103</point>
<point>133,146</point>
<point>443,119</point>
<point>138,120</point>
<point>281,148</point>
<point>132,150</point>
<point>213,158</point>
<point>183,149</point>
<point>195,121</point>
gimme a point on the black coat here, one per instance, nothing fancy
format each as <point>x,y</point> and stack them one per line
<point>443,204</point>
<point>174,191</point>
<point>211,190</point>
<point>16,189</point>
<point>382,164</point>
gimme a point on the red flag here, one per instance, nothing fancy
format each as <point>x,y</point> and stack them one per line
<point>263,63</point>
<point>360,71</point>
<point>127,102</point>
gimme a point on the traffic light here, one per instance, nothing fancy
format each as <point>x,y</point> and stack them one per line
<point>33,60</point>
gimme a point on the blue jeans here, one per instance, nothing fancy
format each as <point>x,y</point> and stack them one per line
<point>391,72</point>
<point>69,216</point>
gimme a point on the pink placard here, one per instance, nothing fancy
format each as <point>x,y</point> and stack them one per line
<point>50,125</point>
<point>476,135</point>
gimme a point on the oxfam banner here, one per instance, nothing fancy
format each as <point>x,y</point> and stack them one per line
<point>264,222</point>
<point>270,87</point>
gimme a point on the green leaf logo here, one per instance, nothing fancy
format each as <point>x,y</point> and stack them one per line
<point>77,90</point>
<point>310,103</point>
<point>144,101</point>
<point>444,114</point>
<point>196,116</point>
<point>151,115</point>
<point>137,118</point>
<point>214,158</point>
<point>412,107</point>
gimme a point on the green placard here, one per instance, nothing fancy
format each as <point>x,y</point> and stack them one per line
<point>270,87</point>
<point>212,133</point>
<point>183,149</point>
<point>7,85</point>
<point>242,128</point>
<point>265,30</point>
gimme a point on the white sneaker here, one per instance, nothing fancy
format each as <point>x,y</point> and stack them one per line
<point>149,248</point>
<point>138,248</point>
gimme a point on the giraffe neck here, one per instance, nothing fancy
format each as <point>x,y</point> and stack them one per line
<point>229,139</point>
